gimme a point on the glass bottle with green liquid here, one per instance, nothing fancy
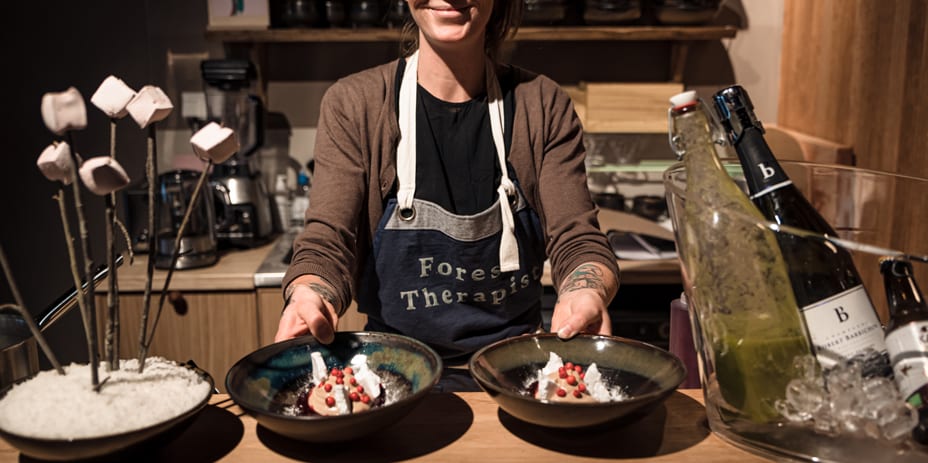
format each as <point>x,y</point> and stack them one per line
<point>738,279</point>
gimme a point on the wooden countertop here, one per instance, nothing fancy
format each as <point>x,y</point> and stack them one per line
<point>234,271</point>
<point>456,427</point>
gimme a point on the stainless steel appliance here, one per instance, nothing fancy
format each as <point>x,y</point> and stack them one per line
<point>242,202</point>
<point>198,244</point>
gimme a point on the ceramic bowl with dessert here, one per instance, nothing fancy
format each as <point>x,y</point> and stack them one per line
<point>359,383</point>
<point>587,381</point>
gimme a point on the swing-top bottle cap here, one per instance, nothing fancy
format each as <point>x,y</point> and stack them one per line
<point>683,98</point>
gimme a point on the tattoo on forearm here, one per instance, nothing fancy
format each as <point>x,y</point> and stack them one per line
<point>324,292</point>
<point>586,276</point>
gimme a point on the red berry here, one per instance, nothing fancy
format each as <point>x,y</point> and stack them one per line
<point>581,387</point>
<point>561,392</point>
<point>577,394</point>
<point>562,374</point>
<point>339,380</point>
<point>366,399</point>
<point>577,368</point>
<point>328,387</point>
<point>354,397</point>
<point>349,370</point>
<point>330,401</point>
<point>569,365</point>
<point>352,381</point>
<point>360,389</point>
<point>334,372</point>
<point>572,380</point>
<point>582,375</point>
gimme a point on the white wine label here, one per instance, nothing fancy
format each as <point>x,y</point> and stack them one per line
<point>908,350</point>
<point>843,326</point>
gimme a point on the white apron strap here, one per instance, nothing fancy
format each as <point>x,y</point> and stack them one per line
<point>406,156</point>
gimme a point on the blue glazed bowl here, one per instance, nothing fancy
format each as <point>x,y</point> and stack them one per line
<point>646,374</point>
<point>268,382</point>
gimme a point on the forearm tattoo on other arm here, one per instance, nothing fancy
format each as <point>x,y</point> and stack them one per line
<point>586,276</point>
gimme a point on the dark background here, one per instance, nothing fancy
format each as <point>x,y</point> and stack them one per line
<point>52,45</point>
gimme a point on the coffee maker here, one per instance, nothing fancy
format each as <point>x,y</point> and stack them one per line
<point>243,205</point>
<point>198,245</point>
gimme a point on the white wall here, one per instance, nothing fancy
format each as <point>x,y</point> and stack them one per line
<point>755,55</point>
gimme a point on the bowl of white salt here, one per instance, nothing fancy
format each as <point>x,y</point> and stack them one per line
<point>61,417</point>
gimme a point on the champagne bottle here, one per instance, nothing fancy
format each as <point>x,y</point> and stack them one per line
<point>840,316</point>
<point>907,338</point>
<point>741,290</point>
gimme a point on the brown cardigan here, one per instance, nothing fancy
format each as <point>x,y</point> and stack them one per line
<point>355,168</point>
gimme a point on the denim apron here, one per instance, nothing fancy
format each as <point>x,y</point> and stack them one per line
<point>455,282</point>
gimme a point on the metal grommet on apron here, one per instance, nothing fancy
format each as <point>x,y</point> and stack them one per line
<point>456,282</point>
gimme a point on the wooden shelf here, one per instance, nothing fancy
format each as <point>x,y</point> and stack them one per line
<point>568,33</point>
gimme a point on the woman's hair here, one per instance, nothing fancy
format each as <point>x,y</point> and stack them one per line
<point>503,23</point>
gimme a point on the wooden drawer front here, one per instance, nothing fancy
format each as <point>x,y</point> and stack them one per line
<point>216,331</point>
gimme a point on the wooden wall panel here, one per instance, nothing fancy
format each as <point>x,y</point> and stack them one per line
<point>856,72</point>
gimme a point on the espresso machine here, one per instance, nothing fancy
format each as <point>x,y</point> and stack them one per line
<point>242,203</point>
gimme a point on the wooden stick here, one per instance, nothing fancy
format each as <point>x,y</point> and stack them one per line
<point>21,308</point>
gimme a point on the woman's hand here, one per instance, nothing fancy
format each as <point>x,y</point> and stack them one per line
<point>309,310</point>
<point>582,302</point>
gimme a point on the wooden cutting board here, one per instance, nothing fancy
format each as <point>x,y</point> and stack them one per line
<point>612,107</point>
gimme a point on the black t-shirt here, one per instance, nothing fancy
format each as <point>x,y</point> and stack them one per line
<point>456,164</point>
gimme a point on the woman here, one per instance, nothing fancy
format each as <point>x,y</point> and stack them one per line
<point>443,181</point>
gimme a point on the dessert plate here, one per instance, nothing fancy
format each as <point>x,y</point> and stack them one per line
<point>644,373</point>
<point>268,382</point>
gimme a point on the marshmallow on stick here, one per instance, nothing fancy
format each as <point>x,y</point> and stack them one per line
<point>63,111</point>
<point>103,175</point>
<point>150,105</point>
<point>56,164</point>
<point>112,97</point>
<point>215,143</point>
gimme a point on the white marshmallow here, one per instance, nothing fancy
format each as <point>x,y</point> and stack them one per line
<point>320,371</point>
<point>214,142</point>
<point>103,175</point>
<point>112,97</point>
<point>56,164</point>
<point>150,105</point>
<point>63,111</point>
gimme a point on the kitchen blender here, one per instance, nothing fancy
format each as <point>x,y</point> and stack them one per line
<point>243,205</point>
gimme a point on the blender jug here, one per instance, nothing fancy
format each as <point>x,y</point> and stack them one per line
<point>231,102</point>
<point>198,245</point>
<point>243,204</point>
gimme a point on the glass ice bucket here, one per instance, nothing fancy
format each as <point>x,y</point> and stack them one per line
<point>875,214</point>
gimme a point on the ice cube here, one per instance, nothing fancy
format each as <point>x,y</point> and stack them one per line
<point>790,412</point>
<point>805,395</point>
<point>903,420</point>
